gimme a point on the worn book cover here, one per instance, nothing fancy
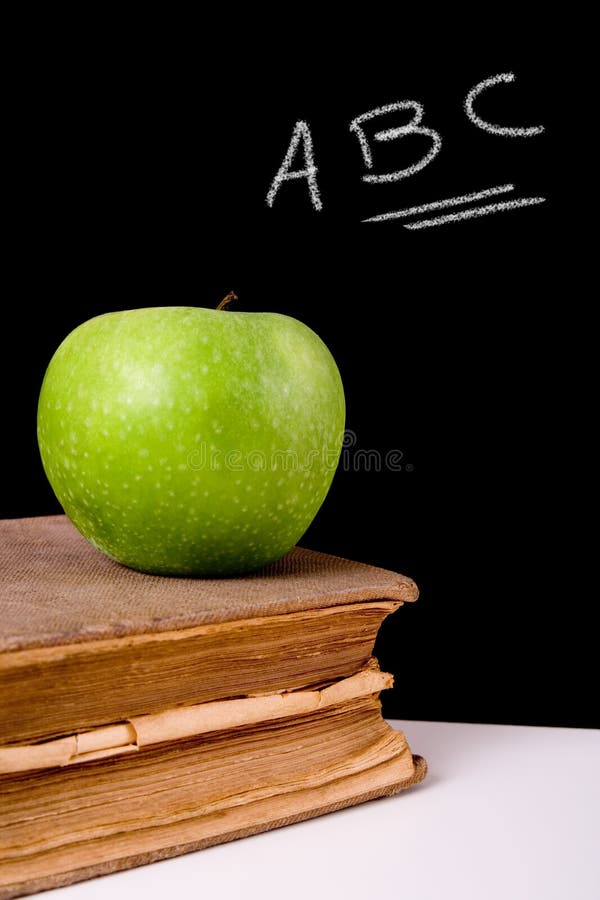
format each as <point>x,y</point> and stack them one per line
<point>144,716</point>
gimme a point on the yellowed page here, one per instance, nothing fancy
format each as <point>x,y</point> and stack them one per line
<point>189,721</point>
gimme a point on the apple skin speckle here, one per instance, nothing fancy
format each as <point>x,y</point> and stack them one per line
<point>241,415</point>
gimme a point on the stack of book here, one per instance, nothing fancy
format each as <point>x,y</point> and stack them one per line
<point>143,717</point>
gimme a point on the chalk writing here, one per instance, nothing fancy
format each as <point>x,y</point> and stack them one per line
<point>301,135</point>
<point>477,212</point>
<point>503,78</point>
<point>414,127</point>
<point>442,204</point>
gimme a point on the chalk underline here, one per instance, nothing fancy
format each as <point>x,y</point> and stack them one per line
<point>473,213</point>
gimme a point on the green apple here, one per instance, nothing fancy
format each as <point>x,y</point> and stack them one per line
<point>191,441</point>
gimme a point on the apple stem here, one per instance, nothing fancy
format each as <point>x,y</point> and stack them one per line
<point>227,300</point>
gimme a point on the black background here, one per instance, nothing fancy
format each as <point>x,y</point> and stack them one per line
<point>140,178</point>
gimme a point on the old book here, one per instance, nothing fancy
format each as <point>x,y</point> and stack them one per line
<point>143,717</point>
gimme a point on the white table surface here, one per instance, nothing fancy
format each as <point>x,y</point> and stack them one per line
<point>506,812</point>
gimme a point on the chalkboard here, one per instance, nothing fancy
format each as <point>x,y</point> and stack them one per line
<point>409,209</point>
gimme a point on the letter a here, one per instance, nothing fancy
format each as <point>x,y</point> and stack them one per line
<point>301,133</point>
